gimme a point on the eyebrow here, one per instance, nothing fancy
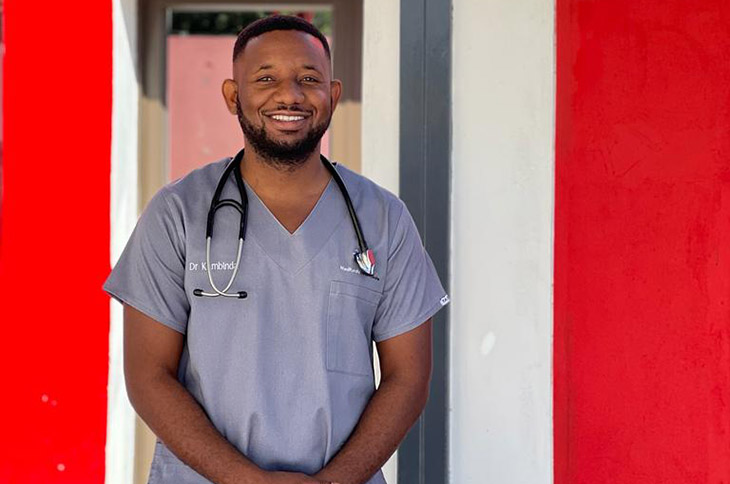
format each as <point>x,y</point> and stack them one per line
<point>309,67</point>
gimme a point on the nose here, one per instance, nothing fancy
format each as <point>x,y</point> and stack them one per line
<point>289,92</point>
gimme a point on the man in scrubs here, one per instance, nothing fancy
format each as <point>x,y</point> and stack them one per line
<point>277,387</point>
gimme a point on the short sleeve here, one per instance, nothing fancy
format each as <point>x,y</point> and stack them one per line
<point>412,291</point>
<point>150,273</point>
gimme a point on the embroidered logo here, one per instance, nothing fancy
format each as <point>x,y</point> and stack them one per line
<point>349,269</point>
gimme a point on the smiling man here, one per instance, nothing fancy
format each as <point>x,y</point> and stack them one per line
<point>273,381</point>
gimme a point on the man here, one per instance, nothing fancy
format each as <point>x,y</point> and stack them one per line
<point>276,387</point>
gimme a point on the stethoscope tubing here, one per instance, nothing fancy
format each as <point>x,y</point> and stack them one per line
<point>242,207</point>
<point>348,202</point>
<point>224,291</point>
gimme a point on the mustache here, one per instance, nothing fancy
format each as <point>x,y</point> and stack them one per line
<point>295,108</point>
<point>291,108</point>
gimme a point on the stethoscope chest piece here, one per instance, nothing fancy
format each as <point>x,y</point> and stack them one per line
<point>200,293</point>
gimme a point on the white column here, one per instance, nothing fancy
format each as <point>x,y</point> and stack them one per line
<point>380,114</point>
<point>502,206</point>
<point>381,92</point>
<point>120,415</point>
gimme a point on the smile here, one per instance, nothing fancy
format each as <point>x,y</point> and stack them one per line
<point>281,117</point>
<point>288,122</point>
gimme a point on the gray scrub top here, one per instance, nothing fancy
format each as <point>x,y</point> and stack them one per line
<point>284,374</point>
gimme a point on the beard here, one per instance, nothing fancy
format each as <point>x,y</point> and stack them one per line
<point>286,155</point>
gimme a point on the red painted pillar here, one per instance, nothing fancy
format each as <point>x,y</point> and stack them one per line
<point>54,244</point>
<point>642,242</point>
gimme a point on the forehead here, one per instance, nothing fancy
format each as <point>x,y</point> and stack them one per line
<point>283,47</point>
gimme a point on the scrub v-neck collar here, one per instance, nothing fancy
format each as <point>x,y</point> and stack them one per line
<point>293,251</point>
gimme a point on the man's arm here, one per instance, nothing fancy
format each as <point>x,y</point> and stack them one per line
<point>151,356</point>
<point>405,363</point>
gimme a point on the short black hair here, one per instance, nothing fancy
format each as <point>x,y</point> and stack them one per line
<point>277,22</point>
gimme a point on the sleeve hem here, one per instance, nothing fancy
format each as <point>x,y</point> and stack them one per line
<point>414,323</point>
<point>132,301</point>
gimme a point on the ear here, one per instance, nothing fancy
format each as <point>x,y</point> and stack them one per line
<point>335,92</point>
<point>229,89</point>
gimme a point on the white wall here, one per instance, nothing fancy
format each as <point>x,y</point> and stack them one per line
<point>120,415</point>
<point>380,114</point>
<point>381,92</point>
<point>502,194</point>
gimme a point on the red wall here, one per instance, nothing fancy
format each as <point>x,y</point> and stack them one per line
<point>642,242</point>
<point>54,244</point>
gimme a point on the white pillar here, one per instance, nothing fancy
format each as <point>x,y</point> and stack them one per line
<point>381,92</point>
<point>502,206</point>
<point>120,415</point>
<point>380,114</point>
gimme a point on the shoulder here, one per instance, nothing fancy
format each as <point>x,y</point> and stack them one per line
<point>383,216</point>
<point>368,196</point>
<point>189,192</point>
<point>173,204</point>
<point>199,182</point>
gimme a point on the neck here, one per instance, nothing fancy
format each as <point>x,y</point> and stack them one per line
<point>271,180</point>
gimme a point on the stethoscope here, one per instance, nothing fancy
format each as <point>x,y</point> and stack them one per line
<point>364,258</point>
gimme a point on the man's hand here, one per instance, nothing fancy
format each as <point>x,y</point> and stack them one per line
<point>293,478</point>
<point>324,476</point>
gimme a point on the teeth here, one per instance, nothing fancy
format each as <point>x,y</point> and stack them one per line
<point>281,117</point>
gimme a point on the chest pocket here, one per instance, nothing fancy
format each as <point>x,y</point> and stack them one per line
<point>350,315</point>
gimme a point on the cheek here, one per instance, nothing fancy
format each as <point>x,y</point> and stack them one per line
<point>250,112</point>
<point>252,101</point>
<point>322,100</point>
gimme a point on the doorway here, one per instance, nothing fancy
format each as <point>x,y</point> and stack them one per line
<point>184,55</point>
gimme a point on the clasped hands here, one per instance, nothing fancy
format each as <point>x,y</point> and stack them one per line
<point>297,478</point>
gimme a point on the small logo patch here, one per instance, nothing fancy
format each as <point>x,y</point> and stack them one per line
<point>445,300</point>
<point>366,261</point>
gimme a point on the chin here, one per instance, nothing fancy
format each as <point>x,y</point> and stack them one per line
<point>287,139</point>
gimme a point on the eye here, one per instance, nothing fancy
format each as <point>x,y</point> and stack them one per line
<point>309,79</point>
<point>265,79</point>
